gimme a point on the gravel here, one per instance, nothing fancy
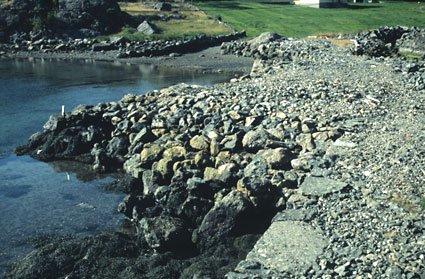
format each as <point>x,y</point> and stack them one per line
<point>331,141</point>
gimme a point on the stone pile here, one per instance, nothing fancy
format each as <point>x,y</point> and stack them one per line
<point>387,41</point>
<point>123,48</point>
<point>322,138</point>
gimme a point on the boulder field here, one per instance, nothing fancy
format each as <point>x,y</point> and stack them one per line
<point>318,151</point>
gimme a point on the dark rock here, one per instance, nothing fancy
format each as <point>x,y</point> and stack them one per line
<point>103,47</point>
<point>163,6</point>
<point>232,216</point>
<point>104,16</point>
<point>63,16</point>
<point>165,233</point>
<point>117,147</point>
<point>95,257</point>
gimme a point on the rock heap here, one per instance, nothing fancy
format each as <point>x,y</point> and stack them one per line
<point>121,47</point>
<point>387,41</point>
<point>209,167</point>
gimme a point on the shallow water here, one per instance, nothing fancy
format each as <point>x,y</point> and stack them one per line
<point>37,198</point>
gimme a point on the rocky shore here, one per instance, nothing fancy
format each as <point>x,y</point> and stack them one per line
<point>118,47</point>
<point>317,154</point>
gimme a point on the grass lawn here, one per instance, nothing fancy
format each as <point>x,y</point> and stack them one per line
<point>194,22</point>
<point>297,21</point>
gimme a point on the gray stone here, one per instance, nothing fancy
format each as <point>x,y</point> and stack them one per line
<point>320,186</point>
<point>199,142</point>
<point>146,28</point>
<point>288,246</point>
<point>264,38</point>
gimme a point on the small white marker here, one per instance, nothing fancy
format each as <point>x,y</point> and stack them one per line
<point>63,110</point>
<point>68,177</point>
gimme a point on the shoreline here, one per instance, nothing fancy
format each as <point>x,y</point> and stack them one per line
<point>210,60</point>
<point>300,154</point>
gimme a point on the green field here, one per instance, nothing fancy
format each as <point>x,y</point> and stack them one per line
<point>297,21</point>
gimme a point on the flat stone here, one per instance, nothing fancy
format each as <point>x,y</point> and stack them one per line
<point>320,186</point>
<point>288,246</point>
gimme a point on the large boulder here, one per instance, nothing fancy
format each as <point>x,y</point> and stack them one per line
<point>264,38</point>
<point>231,216</point>
<point>165,233</point>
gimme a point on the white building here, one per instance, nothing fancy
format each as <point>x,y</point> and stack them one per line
<point>321,3</point>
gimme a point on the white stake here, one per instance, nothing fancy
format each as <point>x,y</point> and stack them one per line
<point>63,110</point>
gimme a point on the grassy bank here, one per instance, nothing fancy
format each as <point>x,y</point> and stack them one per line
<point>298,21</point>
<point>194,22</point>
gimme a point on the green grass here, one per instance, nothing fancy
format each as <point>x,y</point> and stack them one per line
<point>194,22</point>
<point>299,21</point>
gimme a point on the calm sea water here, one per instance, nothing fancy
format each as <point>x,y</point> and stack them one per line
<point>37,198</point>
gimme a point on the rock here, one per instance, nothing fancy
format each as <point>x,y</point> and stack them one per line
<point>133,166</point>
<point>117,147</point>
<point>146,28</point>
<point>257,188</point>
<point>412,43</point>
<point>202,159</point>
<point>278,158</point>
<point>164,167</point>
<point>225,173</point>
<point>165,233</point>
<point>256,168</point>
<point>175,153</point>
<point>53,123</point>
<point>288,246</point>
<point>60,47</point>
<point>256,139</point>
<point>103,16</point>
<point>151,181</point>
<point>264,38</point>
<point>103,47</point>
<point>232,142</point>
<point>320,186</point>
<point>199,142</point>
<point>150,154</point>
<point>143,136</point>
<point>231,216</point>
<point>163,6</point>
<point>285,179</point>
